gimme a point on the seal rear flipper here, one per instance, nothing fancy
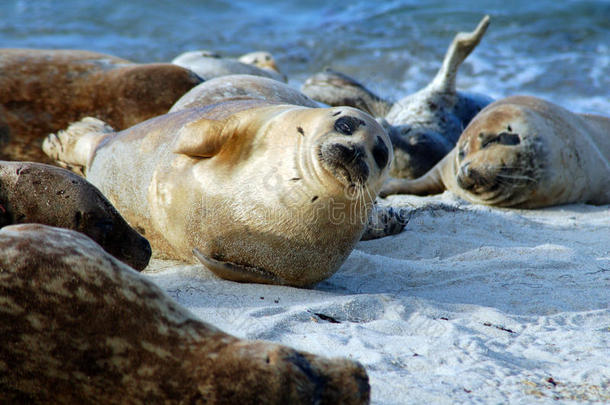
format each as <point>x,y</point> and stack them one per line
<point>461,46</point>
<point>237,272</point>
<point>73,147</point>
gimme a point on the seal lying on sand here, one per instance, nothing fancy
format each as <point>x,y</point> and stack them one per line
<point>39,193</point>
<point>423,126</point>
<point>523,152</point>
<point>42,91</point>
<point>265,192</point>
<point>78,326</point>
<point>209,65</point>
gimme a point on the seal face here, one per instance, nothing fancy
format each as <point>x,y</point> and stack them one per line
<point>78,326</point>
<point>503,162</point>
<point>42,91</point>
<point>259,190</point>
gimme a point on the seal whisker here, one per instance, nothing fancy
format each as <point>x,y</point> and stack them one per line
<point>515,177</point>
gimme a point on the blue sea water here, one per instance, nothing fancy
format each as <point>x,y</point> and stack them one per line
<point>559,50</point>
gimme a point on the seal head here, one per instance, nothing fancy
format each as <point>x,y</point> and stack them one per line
<point>499,160</point>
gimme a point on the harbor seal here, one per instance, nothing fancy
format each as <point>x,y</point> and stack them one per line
<point>44,194</point>
<point>79,327</point>
<point>42,91</point>
<point>264,192</point>
<point>423,126</point>
<point>384,220</point>
<point>523,152</point>
<point>210,65</point>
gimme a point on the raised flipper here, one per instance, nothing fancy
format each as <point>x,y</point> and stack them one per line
<point>237,272</point>
<point>385,221</point>
<point>338,89</point>
<point>463,44</point>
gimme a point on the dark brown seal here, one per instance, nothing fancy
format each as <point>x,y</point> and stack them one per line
<point>44,194</point>
<point>42,91</point>
<point>78,326</point>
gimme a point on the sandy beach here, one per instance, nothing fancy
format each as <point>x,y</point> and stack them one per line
<point>469,304</point>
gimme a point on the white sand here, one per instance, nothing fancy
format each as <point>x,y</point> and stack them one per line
<point>468,305</point>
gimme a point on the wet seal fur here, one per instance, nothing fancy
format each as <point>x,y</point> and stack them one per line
<point>263,190</point>
<point>78,326</point>
<point>523,152</point>
<point>210,65</point>
<point>44,194</point>
<point>42,91</point>
<point>424,126</point>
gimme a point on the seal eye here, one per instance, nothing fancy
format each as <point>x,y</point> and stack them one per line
<point>503,138</point>
<point>380,153</point>
<point>348,125</point>
<point>509,139</point>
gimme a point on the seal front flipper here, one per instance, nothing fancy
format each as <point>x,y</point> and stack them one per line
<point>201,138</point>
<point>237,272</point>
<point>433,182</point>
<point>385,221</point>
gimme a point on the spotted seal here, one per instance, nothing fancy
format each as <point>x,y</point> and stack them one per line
<point>79,326</point>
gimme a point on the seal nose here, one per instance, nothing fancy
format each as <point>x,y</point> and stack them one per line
<point>464,177</point>
<point>347,160</point>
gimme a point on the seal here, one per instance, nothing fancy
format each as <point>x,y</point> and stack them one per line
<point>79,326</point>
<point>44,194</point>
<point>210,65</point>
<point>43,91</point>
<point>265,191</point>
<point>241,87</point>
<point>523,152</point>
<point>384,220</point>
<point>423,126</point>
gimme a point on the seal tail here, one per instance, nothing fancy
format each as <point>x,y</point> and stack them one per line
<point>73,147</point>
<point>463,44</point>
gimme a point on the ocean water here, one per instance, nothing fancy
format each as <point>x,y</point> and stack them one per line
<point>559,50</point>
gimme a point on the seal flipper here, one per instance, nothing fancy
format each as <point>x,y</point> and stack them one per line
<point>385,221</point>
<point>463,44</point>
<point>237,272</point>
<point>433,182</point>
<point>201,138</point>
<point>74,147</point>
